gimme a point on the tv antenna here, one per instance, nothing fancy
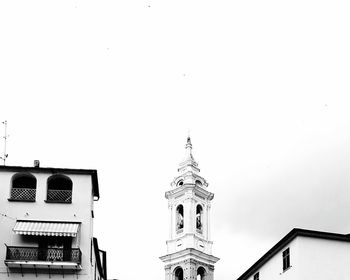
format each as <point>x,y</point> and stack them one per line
<point>4,157</point>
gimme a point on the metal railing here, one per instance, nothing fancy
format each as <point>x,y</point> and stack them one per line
<point>23,194</point>
<point>59,195</point>
<point>15,253</point>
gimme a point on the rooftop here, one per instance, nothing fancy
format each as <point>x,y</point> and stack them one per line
<point>286,240</point>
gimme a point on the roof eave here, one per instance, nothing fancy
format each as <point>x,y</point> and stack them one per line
<point>53,170</point>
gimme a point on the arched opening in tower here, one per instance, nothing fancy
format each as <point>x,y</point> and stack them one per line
<point>199,214</point>
<point>179,217</point>
<point>179,274</point>
<point>198,183</point>
<point>200,273</point>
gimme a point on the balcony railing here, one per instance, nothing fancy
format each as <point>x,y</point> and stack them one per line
<point>39,254</point>
<point>59,195</point>
<point>23,194</point>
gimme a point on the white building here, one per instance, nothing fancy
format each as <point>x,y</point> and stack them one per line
<point>46,222</point>
<point>304,254</point>
<point>189,248</point>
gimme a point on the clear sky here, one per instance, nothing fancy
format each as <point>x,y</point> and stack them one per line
<point>263,87</point>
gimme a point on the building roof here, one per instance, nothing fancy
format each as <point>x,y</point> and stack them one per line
<point>286,240</point>
<point>53,170</point>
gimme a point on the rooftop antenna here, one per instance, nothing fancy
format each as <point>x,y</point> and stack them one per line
<point>4,157</point>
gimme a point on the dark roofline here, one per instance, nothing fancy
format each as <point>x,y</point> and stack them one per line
<point>53,170</point>
<point>286,240</point>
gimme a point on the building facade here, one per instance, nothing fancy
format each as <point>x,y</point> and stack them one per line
<point>189,247</point>
<point>46,221</point>
<point>304,254</point>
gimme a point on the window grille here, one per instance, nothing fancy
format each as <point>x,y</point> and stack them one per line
<point>59,195</point>
<point>23,194</point>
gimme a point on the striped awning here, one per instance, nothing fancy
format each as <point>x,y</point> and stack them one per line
<point>46,228</point>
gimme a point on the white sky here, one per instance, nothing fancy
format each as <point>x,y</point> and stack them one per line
<point>115,85</point>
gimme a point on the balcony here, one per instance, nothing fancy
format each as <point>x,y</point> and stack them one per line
<point>62,196</point>
<point>43,257</point>
<point>22,194</point>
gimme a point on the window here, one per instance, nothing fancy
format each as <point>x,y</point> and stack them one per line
<point>59,189</point>
<point>199,212</point>
<point>198,183</point>
<point>179,218</point>
<point>23,187</point>
<point>286,259</point>
<point>256,276</point>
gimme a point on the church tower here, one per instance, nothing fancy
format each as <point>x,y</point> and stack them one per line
<point>189,248</point>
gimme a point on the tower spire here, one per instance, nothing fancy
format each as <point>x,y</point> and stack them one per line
<point>188,144</point>
<point>188,163</point>
<point>188,147</point>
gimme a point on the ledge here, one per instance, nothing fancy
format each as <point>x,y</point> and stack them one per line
<point>285,270</point>
<point>21,200</point>
<point>43,264</point>
<point>57,201</point>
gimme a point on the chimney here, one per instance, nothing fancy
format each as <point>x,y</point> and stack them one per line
<point>36,163</point>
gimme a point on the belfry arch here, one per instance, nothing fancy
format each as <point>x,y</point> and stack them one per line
<point>201,273</point>
<point>178,273</point>
<point>179,217</point>
<point>199,217</point>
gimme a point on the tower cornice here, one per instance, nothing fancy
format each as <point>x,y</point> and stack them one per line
<point>192,235</point>
<point>202,193</point>
<point>189,253</point>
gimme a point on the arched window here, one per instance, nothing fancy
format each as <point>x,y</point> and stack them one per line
<point>178,273</point>
<point>179,217</point>
<point>59,189</point>
<point>23,187</point>
<point>201,273</point>
<point>180,183</point>
<point>198,183</point>
<point>199,217</point>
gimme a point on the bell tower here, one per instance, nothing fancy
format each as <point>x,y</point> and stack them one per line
<point>189,248</point>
